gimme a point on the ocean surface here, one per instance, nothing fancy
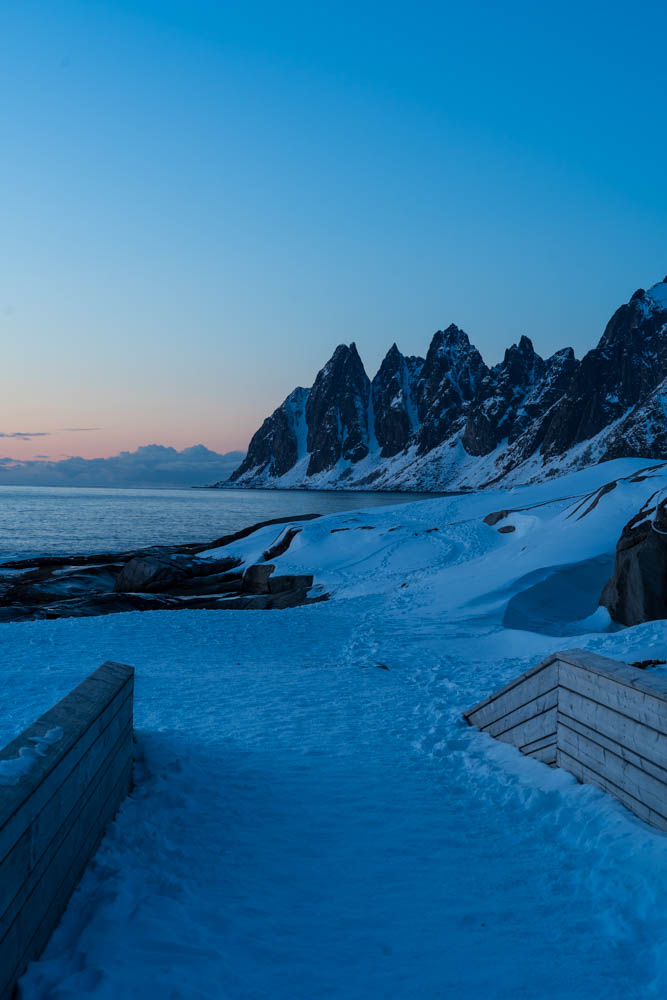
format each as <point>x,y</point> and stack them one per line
<point>55,520</point>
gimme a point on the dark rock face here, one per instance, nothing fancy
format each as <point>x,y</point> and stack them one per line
<point>290,583</point>
<point>337,411</point>
<point>256,578</point>
<point>144,574</point>
<point>274,448</point>
<point>452,373</point>
<point>622,371</point>
<point>500,397</point>
<point>394,396</point>
<point>637,590</point>
<point>613,402</point>
<point>153,573</point>
<point>281,544</point>
<point>643,433</point>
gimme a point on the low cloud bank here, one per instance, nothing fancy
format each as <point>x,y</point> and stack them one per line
<point>152,465</point>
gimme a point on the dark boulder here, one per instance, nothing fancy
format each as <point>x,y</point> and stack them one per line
<point>637,590</point>
<point>256,579</point>
<point>151,572</point>
<point>164,571</point>
<point>495,516</point>
<point>212,583</point>
<point>280,584</point>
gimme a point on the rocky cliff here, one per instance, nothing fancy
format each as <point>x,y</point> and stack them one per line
<point>448,421</point>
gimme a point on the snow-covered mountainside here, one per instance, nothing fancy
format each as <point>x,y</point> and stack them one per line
<point>448,421</point>
<point>311,816</point>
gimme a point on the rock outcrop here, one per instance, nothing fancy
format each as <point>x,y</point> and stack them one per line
<point>449,421</point>
<point>637,590</point>
<point>160,571</point>
<point>158,578</point>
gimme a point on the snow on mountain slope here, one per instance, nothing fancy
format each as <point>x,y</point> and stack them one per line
<point>449,422</point>
<point>306,823</point>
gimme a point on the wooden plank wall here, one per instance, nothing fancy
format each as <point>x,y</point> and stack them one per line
<point>61,782</point>
<point>524,712</point>
<point>601,720</point>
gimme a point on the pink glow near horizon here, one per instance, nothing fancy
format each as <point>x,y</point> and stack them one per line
<point>104,442</point>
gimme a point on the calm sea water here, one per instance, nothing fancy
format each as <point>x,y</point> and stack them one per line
<point>54,520</point>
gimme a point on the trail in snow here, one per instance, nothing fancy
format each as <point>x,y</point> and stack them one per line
<point>306,824</point>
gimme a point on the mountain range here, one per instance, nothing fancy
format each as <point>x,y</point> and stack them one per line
<point>448,421</point>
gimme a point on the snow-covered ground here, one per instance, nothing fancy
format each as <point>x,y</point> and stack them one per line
<point>307,825</point>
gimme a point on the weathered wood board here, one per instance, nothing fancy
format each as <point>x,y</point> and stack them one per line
<point>601,720</point>
<point>61,782</point>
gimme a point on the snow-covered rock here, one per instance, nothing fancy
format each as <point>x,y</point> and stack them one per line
<point>637,589</point>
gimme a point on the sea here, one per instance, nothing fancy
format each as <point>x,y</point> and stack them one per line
<point>61,520</point>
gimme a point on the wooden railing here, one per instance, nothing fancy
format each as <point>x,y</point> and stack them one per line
<point>61,782</point>
<point>601,720</point>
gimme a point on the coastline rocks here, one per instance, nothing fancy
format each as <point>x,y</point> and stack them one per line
<point>154,573</point>
<point>151,579</point>
<point>637,590</point>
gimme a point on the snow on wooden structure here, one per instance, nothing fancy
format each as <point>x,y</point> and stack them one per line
<point>603,721</point>
<point>61,782</point>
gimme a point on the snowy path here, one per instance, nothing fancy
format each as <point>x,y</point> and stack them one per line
<point>308,826</point>
<point>303,827</point>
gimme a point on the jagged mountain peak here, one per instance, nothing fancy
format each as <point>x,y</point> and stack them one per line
<point>658,296</point>
<point>392,358</point>
<point>564,354</point>
<point>344,354</point>
<point>521,366</point>
<point>453,337</point>
<point>525,345</point>
<point>430,422</point>
<point>524,352</point>
<point>337,412</point>
<point>394,401</point>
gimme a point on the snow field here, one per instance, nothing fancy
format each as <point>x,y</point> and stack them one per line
<point>306,824</point>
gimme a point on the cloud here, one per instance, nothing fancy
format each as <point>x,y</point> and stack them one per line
<point>82,430</point>
<point>25,435</point>
<point>154,465</point>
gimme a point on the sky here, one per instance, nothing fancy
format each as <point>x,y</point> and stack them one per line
<point>201,200</point>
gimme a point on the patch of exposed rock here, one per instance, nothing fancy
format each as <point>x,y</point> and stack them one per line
<point>637,590</point>
<point>152,579</point>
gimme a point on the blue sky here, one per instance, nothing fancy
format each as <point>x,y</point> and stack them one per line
<point>201,200</point>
